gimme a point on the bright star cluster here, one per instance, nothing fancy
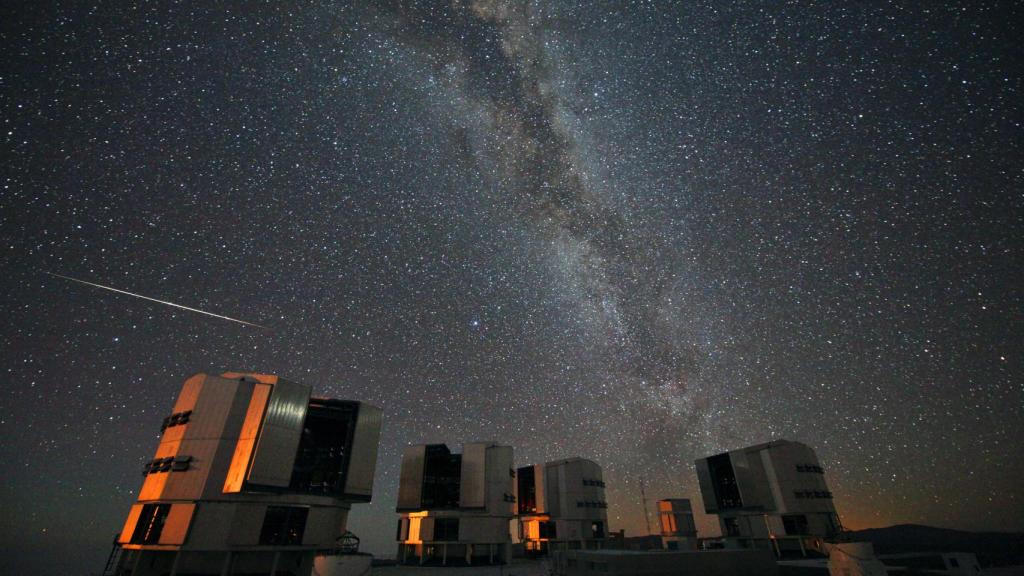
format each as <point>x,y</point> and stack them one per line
<point>639,232</point>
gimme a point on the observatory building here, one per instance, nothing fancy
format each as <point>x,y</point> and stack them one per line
<point>678,531</point>
<point>561,506</point>
<point>251,475</point>
<point>455,508</point>
<point>771,495</point>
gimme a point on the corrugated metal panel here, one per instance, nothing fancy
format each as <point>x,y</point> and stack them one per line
<point>472,492</point>
<point>707,490</point>
<point>410,482</point>
<point>279,436</point>
<point>363,461</point>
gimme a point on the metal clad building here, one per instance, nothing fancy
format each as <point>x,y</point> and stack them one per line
<point>455,508</point>
<point>561,506</point>
<point>771,495</point>
<point>251,474</point>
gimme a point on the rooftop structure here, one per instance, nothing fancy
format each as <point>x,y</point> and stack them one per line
<point>769,495</point>
<point>678,531</point>
<point>561,505</point>
<point>251,475</point>
<point>455,508</point>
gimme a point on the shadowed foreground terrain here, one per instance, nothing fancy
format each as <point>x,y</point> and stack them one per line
<point>991,548</point>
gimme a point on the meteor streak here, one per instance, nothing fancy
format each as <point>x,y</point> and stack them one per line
<point>157,301</point>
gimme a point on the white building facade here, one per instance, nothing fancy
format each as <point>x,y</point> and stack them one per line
<point>771,495</point>
<point>455,509</point>
<point>252,475</point>
<point>561,506</point>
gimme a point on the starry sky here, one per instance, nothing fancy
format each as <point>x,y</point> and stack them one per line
<point>636,232</point>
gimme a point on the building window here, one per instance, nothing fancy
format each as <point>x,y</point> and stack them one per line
<point>795,524</point>
<point>547,530</point>
<point>442,477</point>
<point>446,530</point>
<point>527,484</point>
<point>283,525</point>
<point>723,481</point>
<point>597,529</point>
<point>150,523</point>
<point>322,459</point>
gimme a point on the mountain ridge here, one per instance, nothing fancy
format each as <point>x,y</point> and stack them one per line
<point>992,548</point>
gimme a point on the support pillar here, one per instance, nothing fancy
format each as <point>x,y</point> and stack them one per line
<point>273,566</point>
<point>226,567</point>
<point>135,565</point>
<point>174,565</point>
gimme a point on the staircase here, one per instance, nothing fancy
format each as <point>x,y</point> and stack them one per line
<point>115,555</point>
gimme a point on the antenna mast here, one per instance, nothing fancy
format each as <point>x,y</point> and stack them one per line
<point>643,500</point>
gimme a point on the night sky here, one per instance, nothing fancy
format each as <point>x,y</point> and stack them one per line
<point>639,233</point>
